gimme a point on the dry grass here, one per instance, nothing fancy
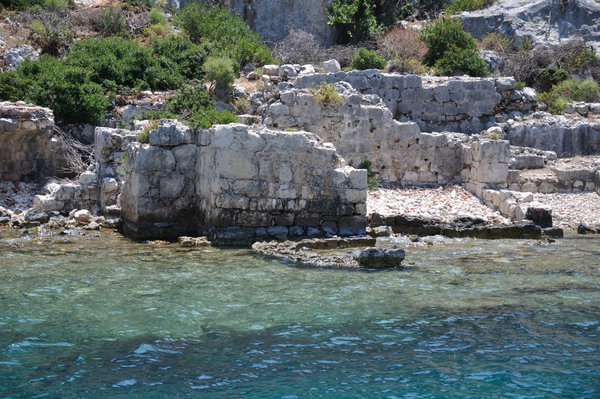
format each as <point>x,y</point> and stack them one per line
<point>402,43</point>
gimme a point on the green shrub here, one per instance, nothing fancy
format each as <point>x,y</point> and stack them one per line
<point>372,182</point>
<point>68,90</point>
<point>578,90</point>
<point>444,34</point>
<point>457,61</point>
<point>220,71</point>
<point>358,16</point>
<point>365,59</point>
<point>570,90</point>
<point>520,85</point>
<point>451,49</point>
<point>144,136</point>
<point>227,33</point>
<point>551,76</point>
<point>190,99</point>
<point>556,104</point>
<point>467,5</point>
<point>193,104</point>
<point>52,34</point>
<point>125,63</point>
<point>111,22</point>
<point>157,16</point>
<point>186,57</point>
<point>326,94</point>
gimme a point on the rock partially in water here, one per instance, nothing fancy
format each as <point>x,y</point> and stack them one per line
<point>191,242</point>
<point>381,258</point>
<point>587,229</point>
<point>304,252</point>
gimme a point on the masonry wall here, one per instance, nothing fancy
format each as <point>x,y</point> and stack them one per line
<point>362,127</point>
<point>565,141</point>
<point>237,183</point>
<point>457,104</point>
<point>26,146</point>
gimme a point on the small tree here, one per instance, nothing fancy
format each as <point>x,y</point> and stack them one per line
<point>359,15</point>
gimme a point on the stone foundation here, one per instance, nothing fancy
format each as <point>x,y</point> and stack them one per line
<point>238,184</point>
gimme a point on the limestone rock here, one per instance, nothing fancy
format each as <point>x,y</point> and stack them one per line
<point>331,66</point>
<point>82,216</point>
<point>529,18</point>
<point>16,55</point>
<point>190,242</point>
<point>381,258</point>
<point>36,215</point>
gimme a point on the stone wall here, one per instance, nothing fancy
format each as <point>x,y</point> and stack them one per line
<point>556,134</point>
<point>362,127</point>
<point>237,183</point>
<point>98,187</point>
<point>457,104</point>
<point>27,149</point>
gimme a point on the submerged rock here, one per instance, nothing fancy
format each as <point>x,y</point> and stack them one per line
<point>381,258</point>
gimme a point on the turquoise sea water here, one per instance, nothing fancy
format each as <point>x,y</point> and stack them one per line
<point>101,317</point>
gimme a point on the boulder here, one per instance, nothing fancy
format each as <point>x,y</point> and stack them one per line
<point>82,216</point>
<point>35,215</point>
<point>539,216</point>
<point>381,258</point>
<point>16,55</point>
<point>331,66</point>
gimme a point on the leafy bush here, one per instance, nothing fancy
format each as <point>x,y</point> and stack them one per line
<point>550,77</point>
<point>358,16</point>
<point>570,90</point>
<point>457,61</point>
<point>52,34</point>
<point>157,16</point>
<point>365,59</point>
<point>443,34</point>
<point>326,94</point>
<point>125,63</point>
<point>467,5</point>
<point>68,90</point>
<point>220,71</point>
<point>388,12</point>
<point>578,90</point>
<point>402,43</point>
<point>451,49</point>
<point>180,53</point>
<point>111,22</point>
<point>227,33</point>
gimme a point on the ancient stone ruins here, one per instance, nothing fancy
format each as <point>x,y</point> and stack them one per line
<point>294,173</point>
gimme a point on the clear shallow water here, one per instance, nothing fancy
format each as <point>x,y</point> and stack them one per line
<point>102,317</point>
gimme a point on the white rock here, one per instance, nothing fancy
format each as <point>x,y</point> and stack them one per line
<point>331,66</point>
<point>83,216</point>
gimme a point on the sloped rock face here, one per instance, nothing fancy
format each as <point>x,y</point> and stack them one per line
<point>26,146</point>
<point>272,19</point>
<point>542,21</point>
<point>238,184</point>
